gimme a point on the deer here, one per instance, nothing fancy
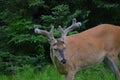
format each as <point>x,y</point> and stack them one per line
<point>73,53</point>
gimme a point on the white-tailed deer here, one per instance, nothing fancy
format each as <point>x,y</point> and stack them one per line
<point>75,52</point>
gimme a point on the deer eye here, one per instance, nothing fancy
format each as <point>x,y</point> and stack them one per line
<point>55,49</point>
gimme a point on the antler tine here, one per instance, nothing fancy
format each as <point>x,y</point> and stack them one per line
<point>61,29</point>
<point>36,30</point>
<point>44,32</point>
<point>52,29</point>
<point>74,21</point>
<point>73,26</point>
<point>51,32</point>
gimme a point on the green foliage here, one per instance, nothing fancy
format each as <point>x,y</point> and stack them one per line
<point>10,64</point>
<point>3,38</point>
<point>50,73</point>
<point>60,15</point>
<point>6,65</point>
<point>36,3</point>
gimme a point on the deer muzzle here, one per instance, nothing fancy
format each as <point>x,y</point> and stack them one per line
<point>63,61</point>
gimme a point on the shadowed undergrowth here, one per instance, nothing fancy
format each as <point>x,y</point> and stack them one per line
<point>50,73</point>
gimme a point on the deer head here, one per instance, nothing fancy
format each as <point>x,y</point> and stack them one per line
<point>58,45</point>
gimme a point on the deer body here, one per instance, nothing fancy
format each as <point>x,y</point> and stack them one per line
<point>89,48</point>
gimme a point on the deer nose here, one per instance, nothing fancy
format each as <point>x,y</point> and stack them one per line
<point>63,61</point>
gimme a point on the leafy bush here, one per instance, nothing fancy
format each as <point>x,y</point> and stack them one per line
<point>7,63</point>
<point>10,64</point>
<point>60,16</point>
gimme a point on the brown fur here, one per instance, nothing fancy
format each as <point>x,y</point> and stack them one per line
<point>88,48</point>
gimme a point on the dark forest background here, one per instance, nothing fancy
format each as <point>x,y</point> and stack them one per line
<point>20,46</point>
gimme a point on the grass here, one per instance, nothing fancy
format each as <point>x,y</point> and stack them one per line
<point>50,73</point>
